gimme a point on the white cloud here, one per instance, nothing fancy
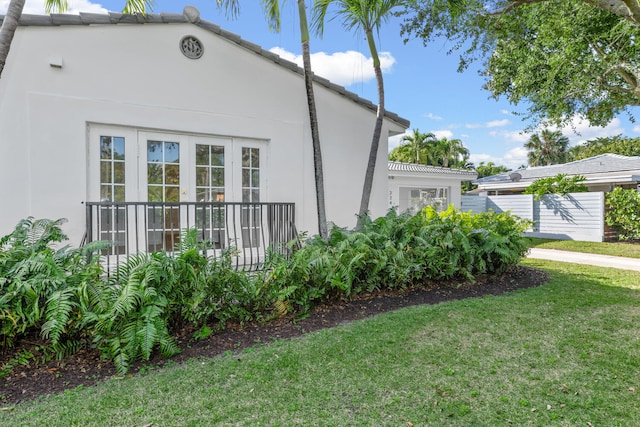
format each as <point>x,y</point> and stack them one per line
<point>444,133</point>
<point>579,130</point>
<point>343,68</point>
<point>636,129</point>
<point>432,116</point>
<point>491,124</point>
<point>507,112</point>
<point>515,158</point>
<point>477,158</point>
<point>512,159</point>
<point>498,123</point>
<point>36,7</point>
<point>511,136</point>
<point>396,140</point>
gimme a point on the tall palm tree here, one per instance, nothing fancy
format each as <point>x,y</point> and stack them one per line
<point>547,148</point>
<point>10,22</point>
<point>8,29</point>
<point>366,16</point>
<point>272,12</point>
<point>420,141</point>
<point>416,147</point>
<point>452,153</point>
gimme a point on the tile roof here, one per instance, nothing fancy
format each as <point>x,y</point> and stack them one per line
<point>191,15</point>
<point>604,163</point>
<point>427,169</point>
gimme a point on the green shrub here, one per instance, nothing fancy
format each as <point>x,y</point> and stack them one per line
<point>132,310</point>
<point>395,251</point>
<point>560,184</point>
<point>624,213</point>
<point>65,295</point>
<point>42,288</point>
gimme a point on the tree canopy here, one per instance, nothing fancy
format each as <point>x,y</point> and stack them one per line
<point>565,57</point>
<point>561,184</point>
<point>426,149</point>
<point>490,169</point>
<point>618,144</point>
<point>547,148</point>
<point>416,147</point>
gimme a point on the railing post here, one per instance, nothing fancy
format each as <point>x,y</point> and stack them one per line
<point>89,223</point>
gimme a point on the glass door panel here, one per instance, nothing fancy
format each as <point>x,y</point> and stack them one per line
<point>163,182</point>
<point>251,215</point>
<point>210,186</point>
<point>112,219</point>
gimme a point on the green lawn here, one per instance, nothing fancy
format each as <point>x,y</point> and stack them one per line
<point>629,250</point>
<point>564,354</point>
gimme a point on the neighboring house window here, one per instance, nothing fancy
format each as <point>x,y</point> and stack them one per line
<point>112,189</point>
<point>163,185</point>
<point>423,197</point>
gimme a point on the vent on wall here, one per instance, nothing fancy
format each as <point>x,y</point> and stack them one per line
<point>191,47</point>
<point>55,61</point>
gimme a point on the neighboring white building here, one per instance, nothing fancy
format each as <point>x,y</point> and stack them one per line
<point>169,108</point>
<point>602,173</point>
<point>413,187</point>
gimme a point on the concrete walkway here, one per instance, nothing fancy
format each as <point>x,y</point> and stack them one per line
<point>588,259</point>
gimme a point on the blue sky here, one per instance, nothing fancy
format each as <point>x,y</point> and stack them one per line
<point>421,83</point>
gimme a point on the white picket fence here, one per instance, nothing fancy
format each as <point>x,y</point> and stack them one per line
<point>578,216</point>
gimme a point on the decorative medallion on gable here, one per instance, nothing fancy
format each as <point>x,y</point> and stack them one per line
<point>191,47</point>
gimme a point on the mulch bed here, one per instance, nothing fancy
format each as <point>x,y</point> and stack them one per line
<point>32,381</point>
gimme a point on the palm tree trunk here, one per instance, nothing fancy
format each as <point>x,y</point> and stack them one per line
<point>313,120</point>
<point>8,29</point>
<point>375,140</point>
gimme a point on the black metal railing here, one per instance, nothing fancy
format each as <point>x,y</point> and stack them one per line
<point>244,230</point>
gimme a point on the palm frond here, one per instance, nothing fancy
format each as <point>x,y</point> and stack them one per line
<point>231,7</point>
<point>138,6</point>
<point>59,6</point>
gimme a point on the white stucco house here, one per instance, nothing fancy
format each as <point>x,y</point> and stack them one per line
<point>134,127</point>
<point>413,187</point>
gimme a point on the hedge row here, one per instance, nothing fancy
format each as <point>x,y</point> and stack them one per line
<point>65,296</point>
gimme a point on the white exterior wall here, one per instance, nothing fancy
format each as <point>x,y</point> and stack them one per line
<point>134,76</point>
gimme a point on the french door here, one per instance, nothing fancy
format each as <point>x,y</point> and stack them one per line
<point>172,174</point>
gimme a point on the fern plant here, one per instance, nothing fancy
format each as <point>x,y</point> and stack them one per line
<point>133,314</point>
<point>43,288</point>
